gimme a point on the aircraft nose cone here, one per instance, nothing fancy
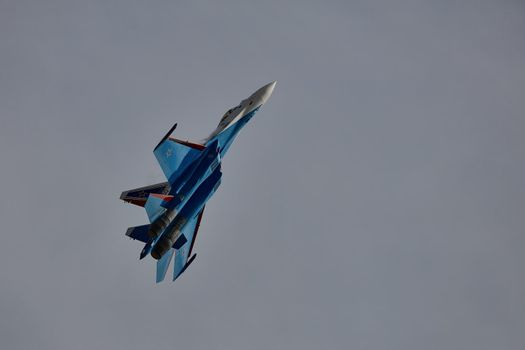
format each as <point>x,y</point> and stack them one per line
<point>264,93</point>
<point>268,88</point>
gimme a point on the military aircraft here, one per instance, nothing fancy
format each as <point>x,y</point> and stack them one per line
<point>193,171</point>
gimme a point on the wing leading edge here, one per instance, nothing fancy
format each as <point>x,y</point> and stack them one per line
<point>174,155</point>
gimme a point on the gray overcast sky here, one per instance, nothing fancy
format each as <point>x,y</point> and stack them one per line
<point>377,201</point>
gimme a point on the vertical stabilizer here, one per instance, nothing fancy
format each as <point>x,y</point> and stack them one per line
<point>163,264</point>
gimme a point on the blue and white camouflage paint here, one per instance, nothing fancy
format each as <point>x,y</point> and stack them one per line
<point>193,171</point>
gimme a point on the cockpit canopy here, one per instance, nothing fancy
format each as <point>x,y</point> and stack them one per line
<point>227,117</point>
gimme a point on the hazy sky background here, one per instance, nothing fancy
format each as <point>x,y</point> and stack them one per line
<point>377,201</point>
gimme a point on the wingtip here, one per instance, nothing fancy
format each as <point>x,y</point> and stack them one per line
<point>166,136</point>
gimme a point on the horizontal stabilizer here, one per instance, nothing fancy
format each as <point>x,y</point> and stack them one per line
<point>139,196</point>
<point>154,207</point>
<point>139,233</point>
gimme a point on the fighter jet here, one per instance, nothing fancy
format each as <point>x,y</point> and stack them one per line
<point>193,171</point>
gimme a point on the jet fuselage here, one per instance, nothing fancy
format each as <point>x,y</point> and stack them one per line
<point>193,171</point>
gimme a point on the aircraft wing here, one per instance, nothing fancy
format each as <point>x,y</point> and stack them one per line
<point>174,155</point>
<point>183,257</point>
<point>139,196</point>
